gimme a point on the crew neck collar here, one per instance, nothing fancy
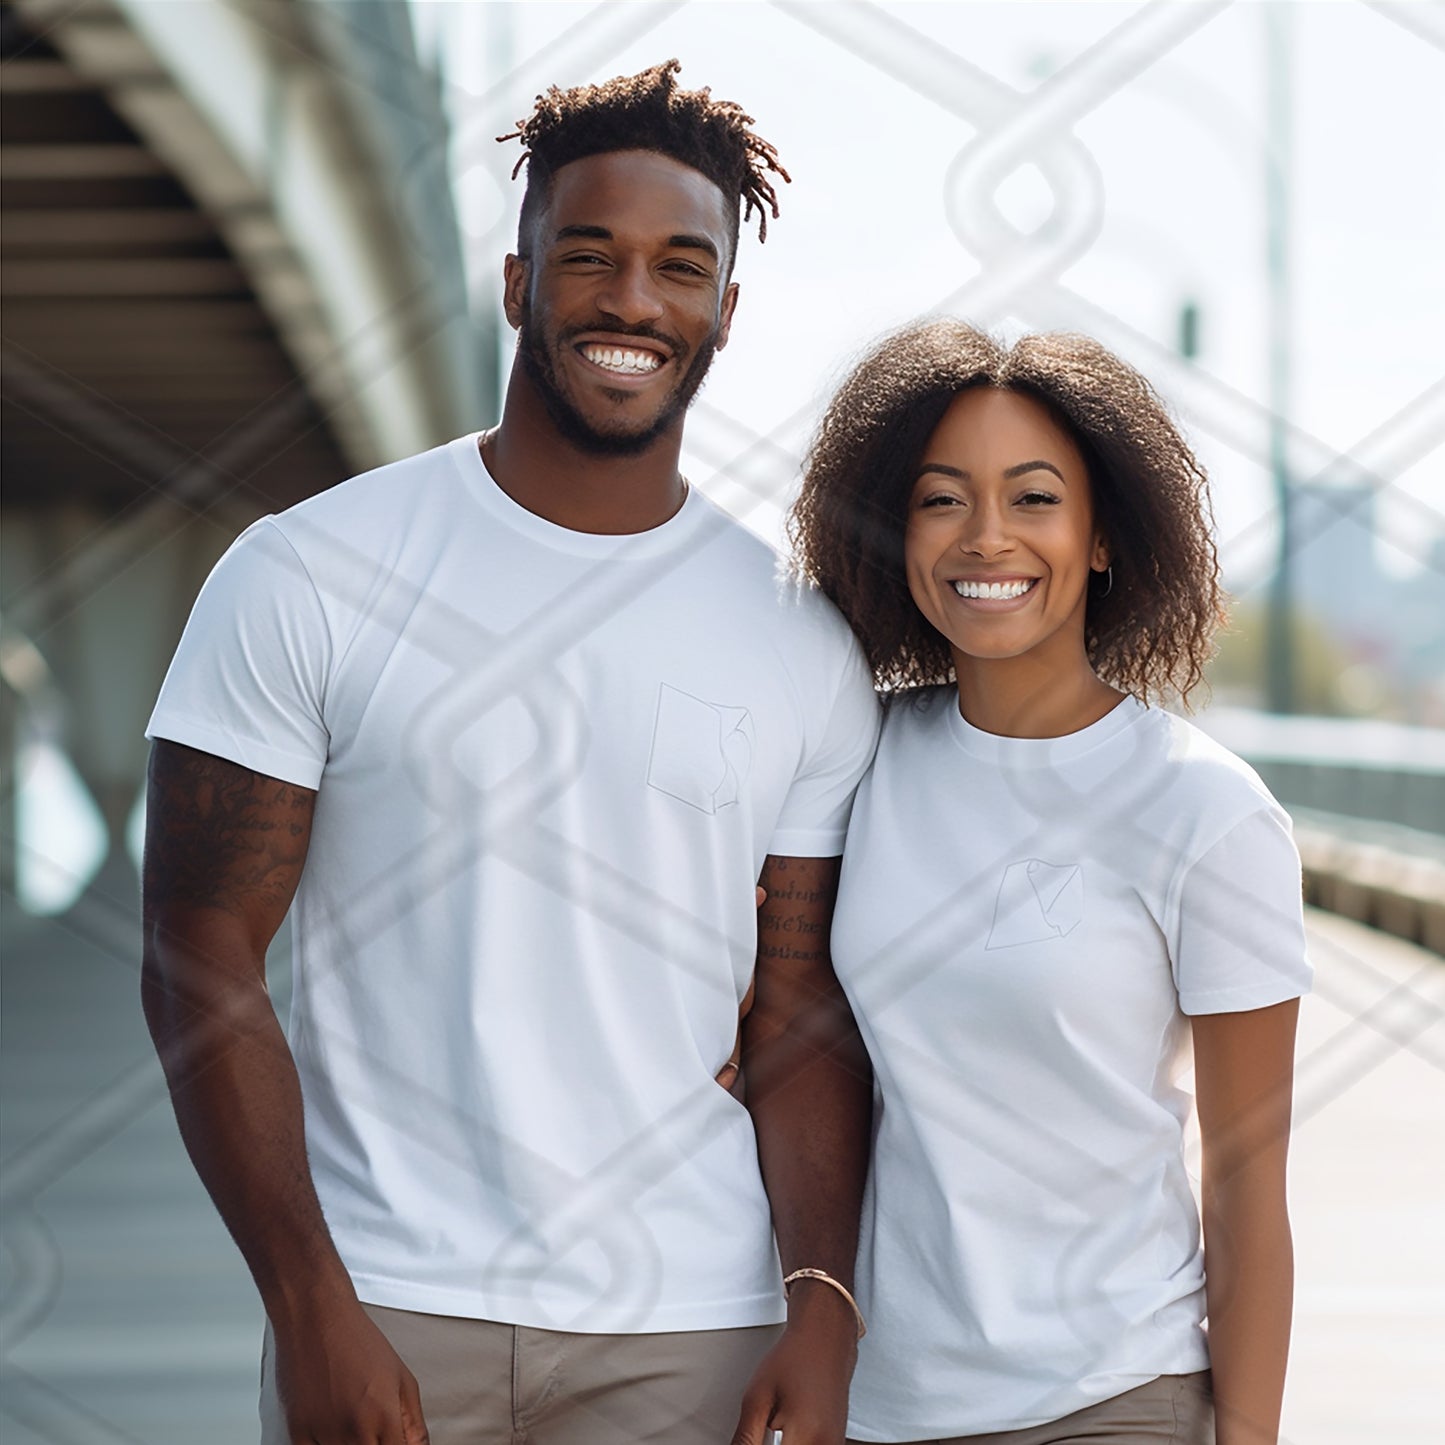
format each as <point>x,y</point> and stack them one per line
<point>1042,752</point>
<point>677,529</point>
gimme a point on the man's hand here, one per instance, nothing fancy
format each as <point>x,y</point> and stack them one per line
<point>801,1386</point>
<point>730,1076</point>
<point>225,847</point>
<point>339,1381</point>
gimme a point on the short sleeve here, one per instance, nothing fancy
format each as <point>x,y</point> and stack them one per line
<point>1239,940</point>
<point>814,817</point>
<point>247,682</point>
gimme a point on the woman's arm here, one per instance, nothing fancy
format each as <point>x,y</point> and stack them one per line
<point>1244,1073</point>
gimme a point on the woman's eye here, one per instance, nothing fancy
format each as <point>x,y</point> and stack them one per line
<point>1039,499</point>
<point>941,499</point>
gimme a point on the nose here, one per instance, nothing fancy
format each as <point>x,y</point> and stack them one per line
<point>630,294</point>
<point>985,531</point>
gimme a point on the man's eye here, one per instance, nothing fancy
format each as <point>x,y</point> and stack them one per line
<point>685,268</point>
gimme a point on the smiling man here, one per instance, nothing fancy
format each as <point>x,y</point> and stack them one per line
<point>517,724</point>
<point>644,373</point>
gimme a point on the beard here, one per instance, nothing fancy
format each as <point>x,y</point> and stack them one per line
<point>569,421</point>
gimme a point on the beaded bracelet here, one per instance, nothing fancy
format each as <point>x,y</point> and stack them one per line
<point>828,1279</point>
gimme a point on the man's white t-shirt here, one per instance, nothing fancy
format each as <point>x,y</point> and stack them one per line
<point>550,765</point>
<point>1023,926</point>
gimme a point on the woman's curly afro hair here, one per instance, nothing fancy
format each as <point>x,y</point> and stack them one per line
<point>1149,632</point>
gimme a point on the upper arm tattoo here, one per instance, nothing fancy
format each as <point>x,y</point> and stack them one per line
<point>221,836</point>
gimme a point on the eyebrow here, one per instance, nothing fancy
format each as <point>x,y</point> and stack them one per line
<point>588,233</point>
<point>694,243</point>
<point>683,242</point>
<point>1010,473</point>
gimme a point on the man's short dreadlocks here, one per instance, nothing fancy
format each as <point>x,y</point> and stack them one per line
<point>648,112</point>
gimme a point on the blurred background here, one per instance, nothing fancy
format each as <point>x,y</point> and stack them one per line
<point>254,246</point>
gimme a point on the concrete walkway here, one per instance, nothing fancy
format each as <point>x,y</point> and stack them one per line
<point>128,1316</point>
<point>1368,1195</point>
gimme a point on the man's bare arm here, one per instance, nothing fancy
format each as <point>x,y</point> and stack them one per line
<point>224,851</point>
<point>809,1090</point>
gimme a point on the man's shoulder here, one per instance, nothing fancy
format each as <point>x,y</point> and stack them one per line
<point>734,541</point>
<point>395,495</point>
<point>763,576</point>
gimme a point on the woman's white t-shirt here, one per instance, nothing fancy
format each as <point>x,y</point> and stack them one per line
<point>1022,928</point>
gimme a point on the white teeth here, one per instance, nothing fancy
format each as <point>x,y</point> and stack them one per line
<point>993,591</point>
<point>636,363</point>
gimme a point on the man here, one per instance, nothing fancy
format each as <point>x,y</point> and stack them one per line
<point>518,722</point>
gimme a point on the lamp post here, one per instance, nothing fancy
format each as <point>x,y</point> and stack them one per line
<point>1279,651</point>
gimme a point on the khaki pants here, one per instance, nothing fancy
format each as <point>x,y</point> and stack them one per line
<point>491,1384</point>
<point>1172,1410</point>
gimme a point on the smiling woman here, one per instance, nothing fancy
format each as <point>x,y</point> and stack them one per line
<point>1148,624</point>
<point>1051,891</point>
<point>999,553</point>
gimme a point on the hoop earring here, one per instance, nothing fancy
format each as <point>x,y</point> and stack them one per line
<point>1109,575</point>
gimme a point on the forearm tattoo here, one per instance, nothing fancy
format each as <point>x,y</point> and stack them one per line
<point>793,921</point>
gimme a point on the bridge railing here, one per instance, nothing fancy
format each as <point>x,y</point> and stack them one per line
<point>1368,803</point>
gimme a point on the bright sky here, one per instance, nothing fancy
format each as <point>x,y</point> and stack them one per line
<point>1039,166</point>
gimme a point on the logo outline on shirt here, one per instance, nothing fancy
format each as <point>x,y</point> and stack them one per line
<point>702,752</point>
<point>1038,902</point>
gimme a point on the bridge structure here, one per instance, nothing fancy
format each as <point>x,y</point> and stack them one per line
<point>232,277</point>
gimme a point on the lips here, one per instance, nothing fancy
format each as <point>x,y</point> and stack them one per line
<point>624,356</point>
<point>981,590</point>
<point>624,361</point>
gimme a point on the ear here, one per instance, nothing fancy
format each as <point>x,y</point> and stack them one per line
<point>514,289</point>
<point>1102,555</point>
<point>725,313</point>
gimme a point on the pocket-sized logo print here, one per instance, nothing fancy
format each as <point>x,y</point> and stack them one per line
<point>1037,901</point>
<point>701,751</point>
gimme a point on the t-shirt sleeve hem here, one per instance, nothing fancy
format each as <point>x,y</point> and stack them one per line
<point>1241,1000</point>
<point>288,767</point>
<point>807,843</point>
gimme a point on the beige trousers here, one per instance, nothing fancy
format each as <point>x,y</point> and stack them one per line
<point>492,1384</point>
<point>1172,1410</point>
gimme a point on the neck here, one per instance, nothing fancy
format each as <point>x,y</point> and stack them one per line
<point>1031,697</point>
<point>545,473</point>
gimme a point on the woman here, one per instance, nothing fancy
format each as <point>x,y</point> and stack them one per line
<point>1051,889</point>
